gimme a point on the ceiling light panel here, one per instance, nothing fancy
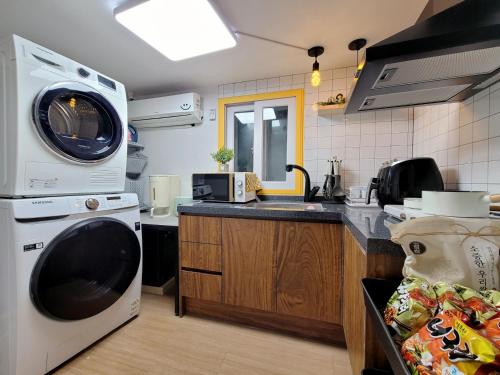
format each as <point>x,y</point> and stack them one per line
<point>179,29</point>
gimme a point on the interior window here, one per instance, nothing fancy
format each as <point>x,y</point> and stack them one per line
<point>263,136</point>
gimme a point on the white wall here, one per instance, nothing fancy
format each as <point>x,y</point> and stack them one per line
<point>464,139</point>
<point>182,151</point>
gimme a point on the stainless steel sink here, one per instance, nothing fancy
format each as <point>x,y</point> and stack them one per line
<point>287,206</point>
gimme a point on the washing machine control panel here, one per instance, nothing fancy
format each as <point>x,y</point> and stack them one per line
<point>62,206</point>
<point>103,202</point>
<point>92,204</point>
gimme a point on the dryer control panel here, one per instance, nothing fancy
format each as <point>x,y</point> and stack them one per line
<point>34,208</point>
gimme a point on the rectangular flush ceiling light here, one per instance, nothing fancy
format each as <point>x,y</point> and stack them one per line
<point>179,29</point>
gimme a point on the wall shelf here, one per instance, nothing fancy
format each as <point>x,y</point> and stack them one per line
<point>332,109</point>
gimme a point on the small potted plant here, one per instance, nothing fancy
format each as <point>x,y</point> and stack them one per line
<point>223,156</point>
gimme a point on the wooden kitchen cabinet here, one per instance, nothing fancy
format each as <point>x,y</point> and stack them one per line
<point>279,275</point>
<point>201,256</point>
<point>200,229</point>
<point>309,270</point>
<point>248,263</point>
<point>201,285</point>
<point>364,349</point>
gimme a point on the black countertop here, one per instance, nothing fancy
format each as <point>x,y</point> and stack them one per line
<point>368,225</point>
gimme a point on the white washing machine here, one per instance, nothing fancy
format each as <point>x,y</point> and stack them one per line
<point>62,125</point>
<point>70,272</point>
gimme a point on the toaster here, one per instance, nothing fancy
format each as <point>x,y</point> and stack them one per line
<point>405,179</point>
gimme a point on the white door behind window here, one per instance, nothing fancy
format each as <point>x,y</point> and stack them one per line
<point>272,125</point>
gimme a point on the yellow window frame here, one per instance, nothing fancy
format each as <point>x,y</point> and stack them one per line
<point>298,94</point>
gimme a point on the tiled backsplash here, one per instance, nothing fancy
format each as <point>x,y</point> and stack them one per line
<point>464,139</point>
<point>362,141</point>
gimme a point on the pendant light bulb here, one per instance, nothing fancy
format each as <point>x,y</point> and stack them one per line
<point>315,76</point>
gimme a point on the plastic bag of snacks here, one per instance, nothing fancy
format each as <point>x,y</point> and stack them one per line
<point>455,250</point>
<point>491,331</point>
<point>476,305</point>
<point>446,345</point>
<point>493,297</point>
<point>410,307</point>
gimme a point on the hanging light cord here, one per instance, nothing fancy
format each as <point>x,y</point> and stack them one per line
<point>269,40</point>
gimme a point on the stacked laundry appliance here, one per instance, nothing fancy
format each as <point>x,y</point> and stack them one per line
<point>71,249</point>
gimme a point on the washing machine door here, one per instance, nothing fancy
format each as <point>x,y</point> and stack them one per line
<point>85,269</point>
<point>77,122</point>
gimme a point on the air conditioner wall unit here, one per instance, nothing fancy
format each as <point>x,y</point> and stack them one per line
<point>173,110</point>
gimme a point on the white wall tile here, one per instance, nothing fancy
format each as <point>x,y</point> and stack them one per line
<point>480,129</point>
<point>480,151</point>
<point>228,89</point>
<point>326,85</point>
<point>383,152</point>
<point>324,131</point>
<point>324,142</point>
<point>352,141</point>
<point>400,139</point>
<point>366,152</point>
<point>338,130</point>
<point>339,84</point>
<point>468,151</point>
<point>481,107</point>
<point>453,156</point>
<point>466,134</point>
<point>340,73</point>
<point>367,117</point>
<point>368,128</point>
<point>382,139</point>
<point>273,82</point>
<point>367,140</point>
<point>480,172</point>
<point>400,114</point>
<point>465,173</point>
<point>352,129</point>
<point>465,154</point>
<point>494,125</point>
<point>494,148</point>
<point>494,172</point>
<point>400,126</point>
<point>383,127</point>
<point>298,78</point>
<point>310,132</point>
<point>383,115</point>
<point>494,102</point>
<point>466,113</point>
<point>454,138</point>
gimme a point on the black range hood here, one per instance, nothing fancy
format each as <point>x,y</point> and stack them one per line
<point>445,58</point>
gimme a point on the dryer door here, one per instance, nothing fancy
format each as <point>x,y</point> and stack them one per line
<point>77,122</point>
<point>85,269</point>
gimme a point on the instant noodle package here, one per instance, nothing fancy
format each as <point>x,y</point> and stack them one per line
<point>445,328</point>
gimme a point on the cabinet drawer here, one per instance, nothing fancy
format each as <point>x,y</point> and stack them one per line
<point>200,229</point>
<point>201,256</point>
<point>201,286</point>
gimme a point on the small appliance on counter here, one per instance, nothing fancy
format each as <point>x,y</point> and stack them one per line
<point>163,189</point>
<point>356,197</point>
<point>238,187</point>
<point>332,188</point>
<point>405,179</point>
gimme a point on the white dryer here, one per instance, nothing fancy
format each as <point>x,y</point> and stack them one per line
<point>62,125</point>
<point>70,272</point>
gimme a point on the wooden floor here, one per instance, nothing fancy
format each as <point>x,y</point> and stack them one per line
<point>159,343</point>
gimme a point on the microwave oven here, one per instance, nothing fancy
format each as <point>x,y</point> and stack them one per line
<point>225,187</point>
